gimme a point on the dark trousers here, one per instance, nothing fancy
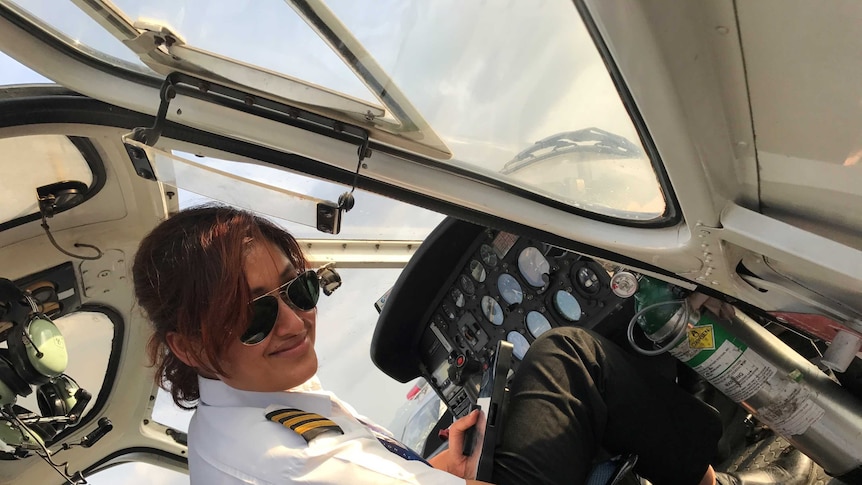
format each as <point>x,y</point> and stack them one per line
<point>576,392</point>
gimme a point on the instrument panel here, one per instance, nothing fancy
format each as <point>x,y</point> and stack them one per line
<point>510,288</point>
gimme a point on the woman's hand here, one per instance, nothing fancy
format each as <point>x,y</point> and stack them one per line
<point>453,460</point>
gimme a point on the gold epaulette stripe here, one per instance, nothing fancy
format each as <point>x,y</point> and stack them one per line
<point>300,420</point>
<point>303,428</point>
<point>307,425</point>
<point>282,415</point>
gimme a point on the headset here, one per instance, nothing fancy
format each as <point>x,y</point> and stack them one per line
<point>57,397</point>
<point>37,346</point>
<point>38,349</point>
<point>36,357</point>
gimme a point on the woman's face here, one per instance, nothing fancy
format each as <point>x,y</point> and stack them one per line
<point>286,357</point>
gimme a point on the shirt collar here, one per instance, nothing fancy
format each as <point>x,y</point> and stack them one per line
<point>308,396</point>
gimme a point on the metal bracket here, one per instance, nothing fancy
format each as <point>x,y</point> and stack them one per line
<point>152,37</point>
<point>149,136</point>
<point>363,151</point>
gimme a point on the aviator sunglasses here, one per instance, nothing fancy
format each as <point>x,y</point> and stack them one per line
<point>301,293</point>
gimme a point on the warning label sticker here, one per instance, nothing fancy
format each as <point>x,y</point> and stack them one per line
<point>683,351</point>
<point>719,361</point>
<point>739,375</point>
<point>701,337</point>
<point>791,411</point>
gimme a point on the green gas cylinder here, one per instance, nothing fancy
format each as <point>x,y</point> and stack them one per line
<point>695,338</point>
<point>761,373</point>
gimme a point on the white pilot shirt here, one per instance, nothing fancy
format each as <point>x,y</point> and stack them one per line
<point>231,441</point>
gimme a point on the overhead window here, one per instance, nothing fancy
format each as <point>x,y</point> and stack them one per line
<point>519,95</point>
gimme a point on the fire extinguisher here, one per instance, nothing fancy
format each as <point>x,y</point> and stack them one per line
<point>754,368</point>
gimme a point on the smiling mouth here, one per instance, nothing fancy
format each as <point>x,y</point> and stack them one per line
<point>294,345</point>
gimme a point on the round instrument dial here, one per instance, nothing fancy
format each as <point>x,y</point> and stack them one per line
<point>519,344</point>
<point>488,255</point>
<point>537,324</point>
<point>567,306</point>
<point>510,290</point>
<point>533,266</point>
<point>477,271</point>
<point>458,298</point>
<point>492,310</point>
<point>467,284</point>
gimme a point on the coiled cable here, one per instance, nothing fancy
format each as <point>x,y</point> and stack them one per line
<point>677,333</point>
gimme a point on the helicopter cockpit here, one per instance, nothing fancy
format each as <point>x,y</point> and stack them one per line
<point>513,167</point>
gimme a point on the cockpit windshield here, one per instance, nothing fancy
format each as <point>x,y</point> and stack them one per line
<point>475,89</point>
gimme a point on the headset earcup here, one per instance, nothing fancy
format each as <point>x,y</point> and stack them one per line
<point>57,397</point>
<point>19,359</point>
<point>11,434</point>
<point>38,368</point>
<point>49,400</point>
<point>11,379</point>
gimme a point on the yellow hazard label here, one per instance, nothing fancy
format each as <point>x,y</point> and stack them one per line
<point>701,337</point>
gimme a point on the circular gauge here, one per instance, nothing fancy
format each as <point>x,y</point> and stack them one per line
<point>477,271</point>
<point>537,324</point>
<point>519,344</point>
<point>488,255</point>
<point>509,288</point>
<point>624,284</point>
<point>533,266</point>
<point>492,311</point>
<point>458,298</point>
<point>467,284</point>
<point>567,305</point>
<point>588,280</point>
<point>448,310</point>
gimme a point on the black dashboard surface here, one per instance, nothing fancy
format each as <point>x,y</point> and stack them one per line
<point>466,288</point>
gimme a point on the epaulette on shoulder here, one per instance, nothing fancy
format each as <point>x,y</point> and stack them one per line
<point>307,425</point>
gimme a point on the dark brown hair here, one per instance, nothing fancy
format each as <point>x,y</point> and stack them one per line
<point>188,277</point>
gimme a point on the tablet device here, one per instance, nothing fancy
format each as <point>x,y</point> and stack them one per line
<point>492,397</point>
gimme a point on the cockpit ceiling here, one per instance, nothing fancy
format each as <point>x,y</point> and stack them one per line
<point>34,161</point>
<point>806,106</point>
